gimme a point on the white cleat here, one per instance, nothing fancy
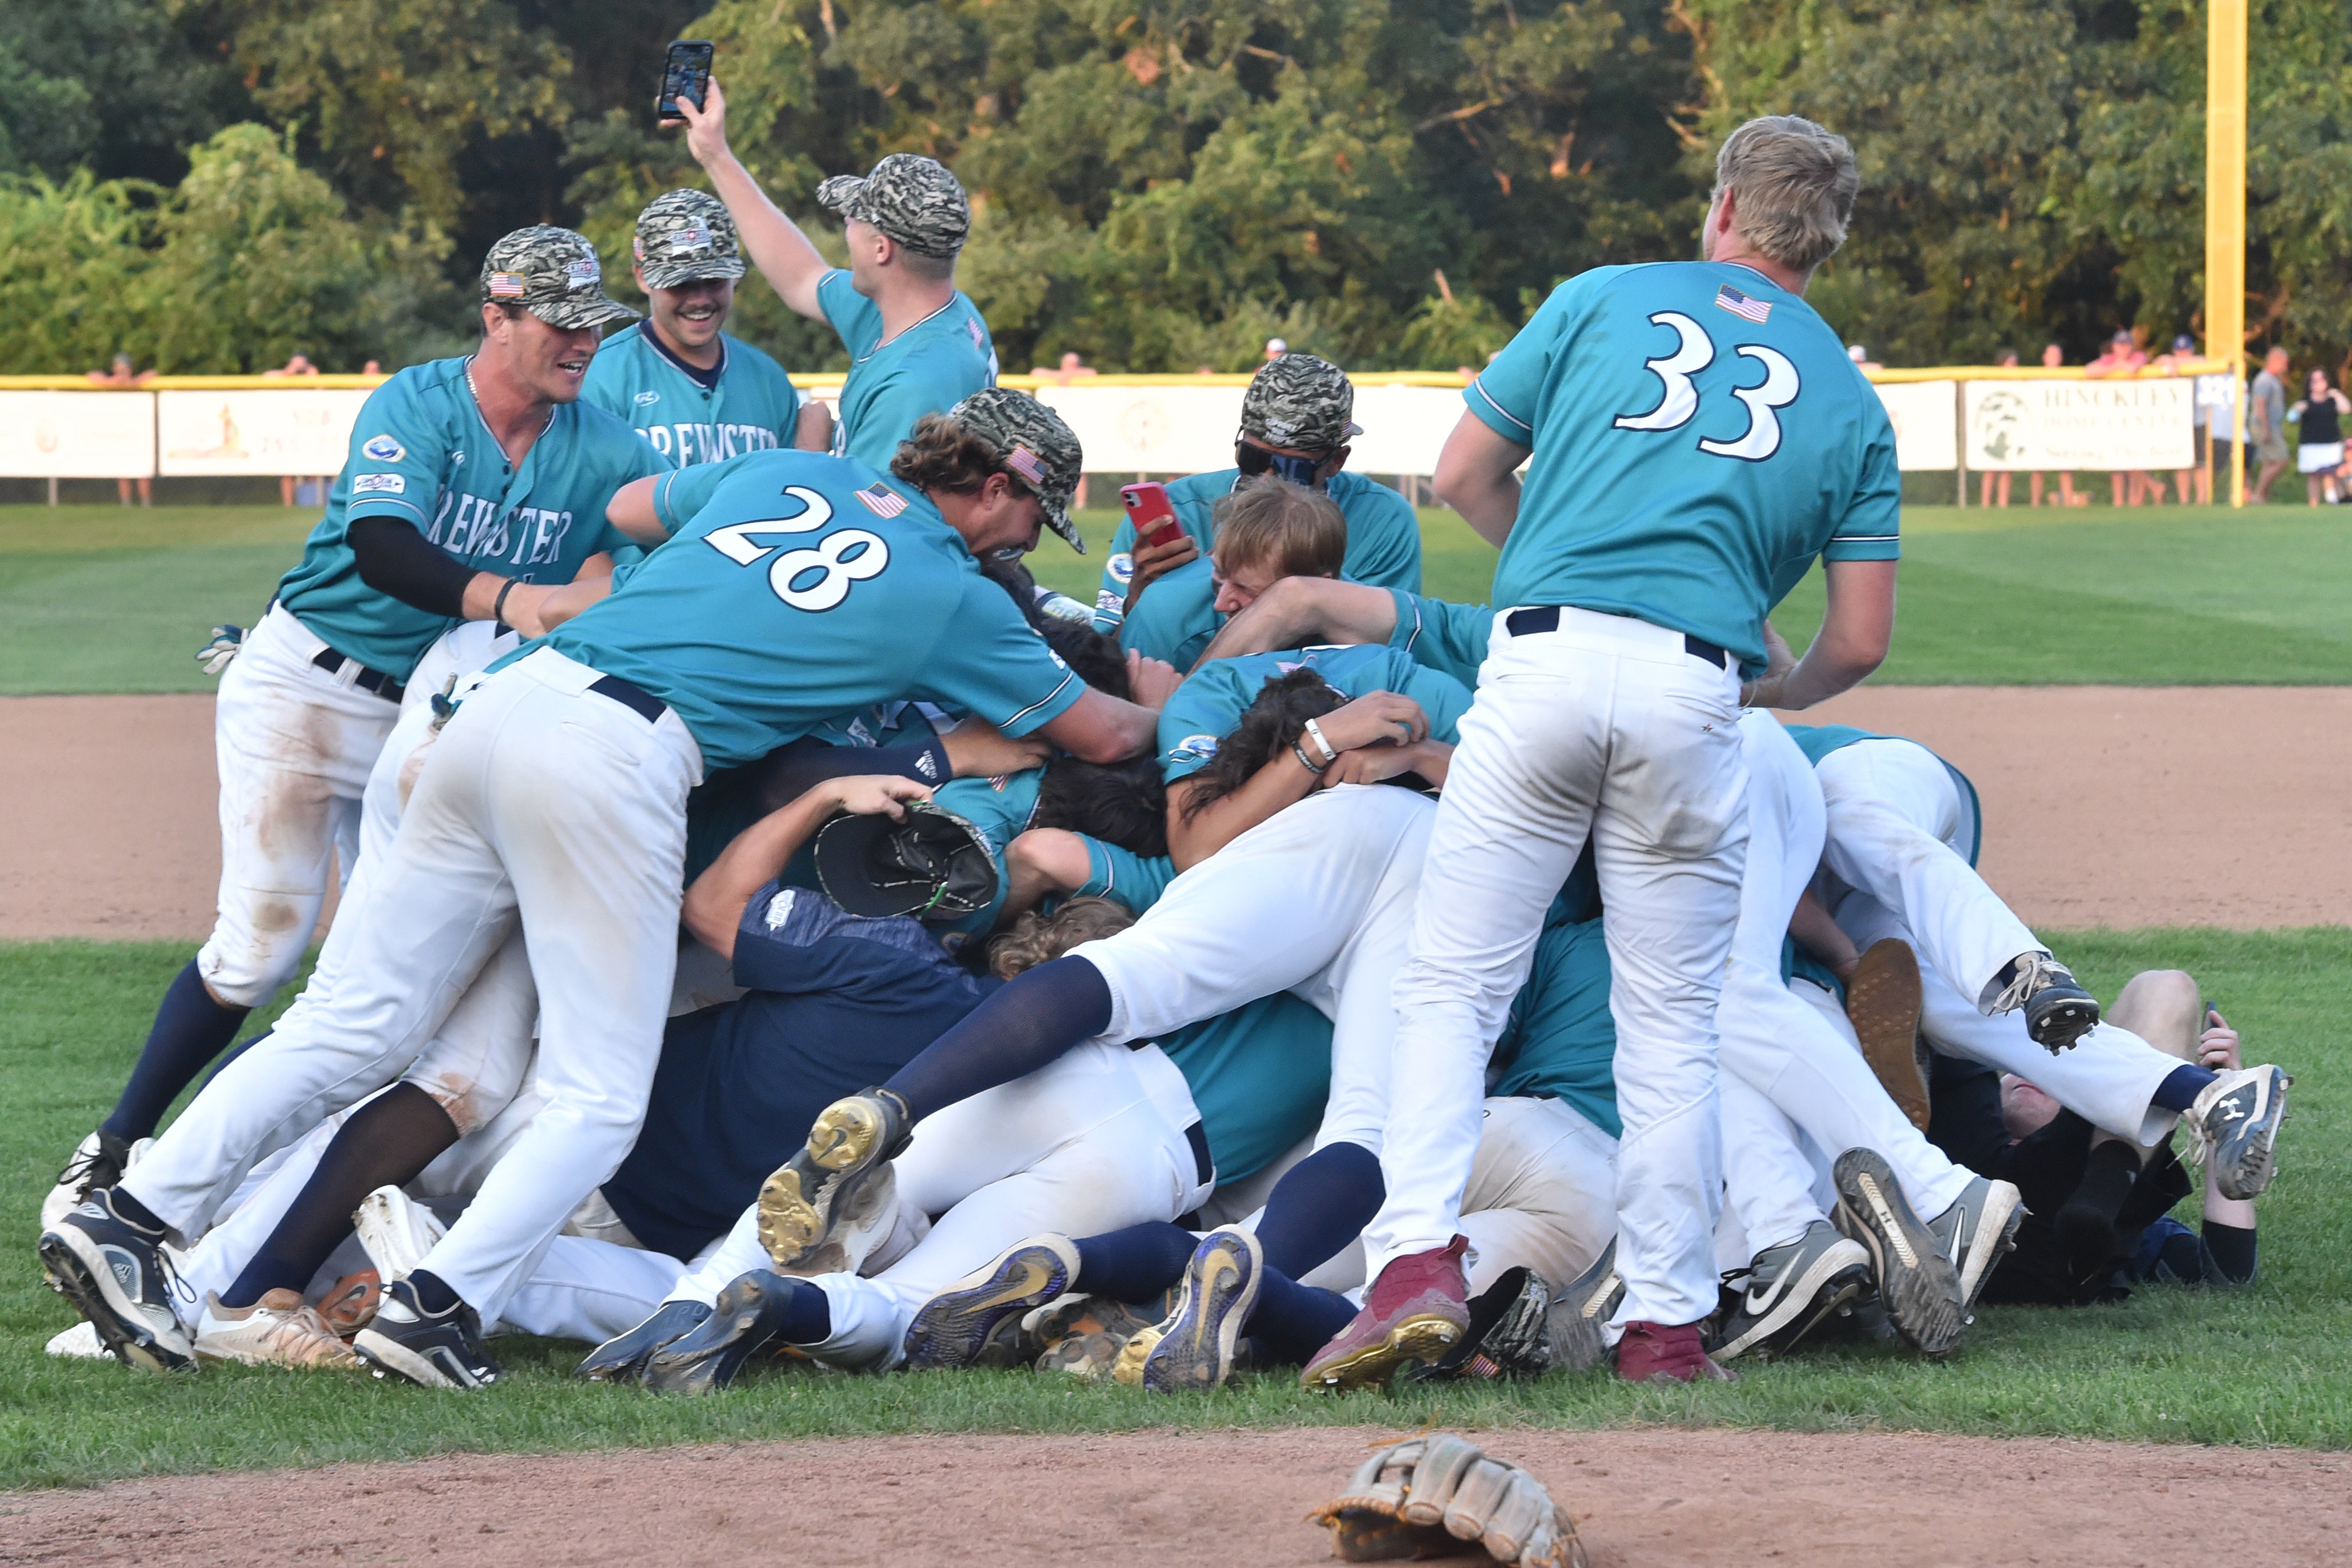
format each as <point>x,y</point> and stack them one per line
<point>396,1232</point>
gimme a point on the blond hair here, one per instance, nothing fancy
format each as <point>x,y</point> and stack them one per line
<point>1274,521</point>
<point>1034,939</point>
<point>1795,182</point>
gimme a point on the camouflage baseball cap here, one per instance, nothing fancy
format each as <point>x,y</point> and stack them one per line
<point>912,199</point>
<point>1300,402</point>
<point>1038,449</point>
<point>685,237</point>
<point>555,274</point>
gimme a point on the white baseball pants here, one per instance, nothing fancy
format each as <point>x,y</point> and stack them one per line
<point>1316,900</point>
<point>293,745</point>
<point>546,802</point>
<point>1607,728</point>
<point>1092,1143</point>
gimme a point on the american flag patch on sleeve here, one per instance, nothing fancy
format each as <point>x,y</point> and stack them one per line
<point>882,501</point>
<point>1729,298</point>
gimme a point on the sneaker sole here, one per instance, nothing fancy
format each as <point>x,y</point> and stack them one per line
<point>89,1285</point>
<point>1415,1339</point>
<point>1917,1283</point>
<point>1196,1353</point>
<point>953,1327</point>
<point>2248,1173</point>
<point>1994,1242</point>
<point>2058,1028</point>
<point>1883,1002</point>
<point>1829,1283</point>
<point>388,1358</point>
<point>1133,1357</point>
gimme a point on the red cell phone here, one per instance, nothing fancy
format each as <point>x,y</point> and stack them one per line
<point>1148,509</point>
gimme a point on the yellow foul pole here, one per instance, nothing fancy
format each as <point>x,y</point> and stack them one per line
<point>2225,210</point>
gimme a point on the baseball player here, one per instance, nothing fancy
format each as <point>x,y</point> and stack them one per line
<point>916,345</point>
<point>1295,425</point>
<point>1265,532</point>
<point>556,795</point>
<point>694,392</point>
<point>473,485</point>
<point>1697,438</point>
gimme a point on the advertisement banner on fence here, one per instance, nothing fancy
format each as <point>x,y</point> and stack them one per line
<point>1150,430</point>
<point>1923,413</point>
<point>77,434</point>
<point>2018,426</point>
<point>292,432</point>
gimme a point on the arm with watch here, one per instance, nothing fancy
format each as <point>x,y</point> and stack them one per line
<point>1379,735</point>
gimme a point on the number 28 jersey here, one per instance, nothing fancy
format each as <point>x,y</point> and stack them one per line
<point>1699,439</point>
<point>805,586</point>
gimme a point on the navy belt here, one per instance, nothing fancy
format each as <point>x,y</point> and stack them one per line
<point>387,686</point>
<point>1546,618</point>
<point>1203,1166</point>
<point>632,696</point>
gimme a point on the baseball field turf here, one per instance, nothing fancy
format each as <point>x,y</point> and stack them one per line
<point>106,600</point>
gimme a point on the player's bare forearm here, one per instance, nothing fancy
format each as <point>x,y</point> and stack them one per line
<point>632,512</point>
<point>561,604</point>
<point>1283,780</point>
<point>1477,476</point>
<point>715,903</point>
<point>813,430</point>
<point>785,258</point>
<point>1043,863</point>
<point>1101,728</point>
<point>1854,636</point>
<point>977,749</point>
<point>1296,612</point>
<point>1823,937</point>
<point>521,605</point>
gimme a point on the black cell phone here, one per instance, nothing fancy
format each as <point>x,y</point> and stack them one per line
<point>685,74</point>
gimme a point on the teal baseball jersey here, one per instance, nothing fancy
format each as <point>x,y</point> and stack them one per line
<point>1176,617</point>
<point>1699,439</point>
<point>1000,808</point>
<point>1205,710</point>
<point>1259,1075</point>
<point>1135,880</point>
<point>809,586</point>
<point>1818,741</point>
<point>1384,535</point>
<point>421,452</point>
<point>1445,636</point>
<point>1560,1041</point>
<point>927,369</point>
<point>749,406</point>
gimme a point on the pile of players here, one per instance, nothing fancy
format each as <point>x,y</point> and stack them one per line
<point>772,924</point>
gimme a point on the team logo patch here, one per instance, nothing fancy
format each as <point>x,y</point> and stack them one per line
<point>882,501</point>
<point>505,286</point>
<point>1107,600</point>
<point>383,484</point>
<point>1741,305</point>
<point>646,397</point>
<point>383,449</point>
<point>1121,567</point>
<point>1280,431</point>
<point>693,238</point>
<point>1194,748</point>
<point>581,274</point>
<point>1062,608</point>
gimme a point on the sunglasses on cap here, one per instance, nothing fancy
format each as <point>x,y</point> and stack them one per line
<point>1255,460</point>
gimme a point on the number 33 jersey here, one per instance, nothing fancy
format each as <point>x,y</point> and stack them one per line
<point>1699,438</point>
<point>803,586</point>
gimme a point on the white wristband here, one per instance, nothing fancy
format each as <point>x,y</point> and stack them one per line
<point>1315,733</point>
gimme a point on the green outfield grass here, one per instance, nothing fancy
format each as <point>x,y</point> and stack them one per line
<point>116,599</point>
<point>2264,1365</point>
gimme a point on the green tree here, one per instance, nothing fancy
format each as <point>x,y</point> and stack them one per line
<point>76,259</point>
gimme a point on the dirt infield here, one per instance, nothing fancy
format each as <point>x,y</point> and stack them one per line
<point>1691,1499</point>
<point>2103,805</point>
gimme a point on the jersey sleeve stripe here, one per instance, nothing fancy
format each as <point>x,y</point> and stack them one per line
<point>1478,388</point>
<point>381,506</point>
<point>1043,701</point>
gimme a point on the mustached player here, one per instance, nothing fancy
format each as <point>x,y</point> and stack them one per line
<point>473,485</point>
<point>1697,439</point>
<point>695,393</point>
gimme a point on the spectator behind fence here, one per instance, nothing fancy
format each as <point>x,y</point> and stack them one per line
<point>2266,421</point>
<point>2197,479</point>
<point>289,485</point>
<point>121,374</point>
<point>2052,356</point>
<point>1990,484</point>
<point>2124,356</point>
<point>2320,451</point>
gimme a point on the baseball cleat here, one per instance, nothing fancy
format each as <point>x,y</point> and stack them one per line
<point>98,1161</point>
<point>1667,1353</point>
<point>2236,1121</point>
<point>80,1343</point>
<point>1508,1335</point>
<point>1882,1002</point>
<point>396,1232</point>
<point>622,1358</point>
<point>1789,1289</point>
<point>1415,1311</point>
<point>117,1275</point>
<point>2058,1011</point>
<point>1196,1345</point>
<point>1916,1282</point>
<point>954,1327</point>
<point>1577,1322</point>
<point>750,1313</point>
<point>818,1189</point>
<point>276,1330</point>
<point>1978,1231</point>
<point>1086,1334</point>
<point>435,1350</point>
<point>350,1302</point>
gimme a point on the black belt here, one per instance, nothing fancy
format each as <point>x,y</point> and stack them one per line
<point>387,686</point>
<point>1546,618</point>
<point>1203,1166</point>
<point>632,696</point>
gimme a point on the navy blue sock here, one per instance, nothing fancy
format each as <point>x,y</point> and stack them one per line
<point>809,1320</point>
<point>1291,1322</point>
<point>1135,1264</point>
<point>191,1030</point>
<point>1021,1028</point>
<point>432,1294</point>
<point>132,1212</point>
<point>1322,1205</point>
<point>2181,1086</point>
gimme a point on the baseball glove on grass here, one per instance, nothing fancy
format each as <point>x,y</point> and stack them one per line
<point>1420,1498</point>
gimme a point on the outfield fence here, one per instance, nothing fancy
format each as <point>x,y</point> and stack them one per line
<point>1949,419</point>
